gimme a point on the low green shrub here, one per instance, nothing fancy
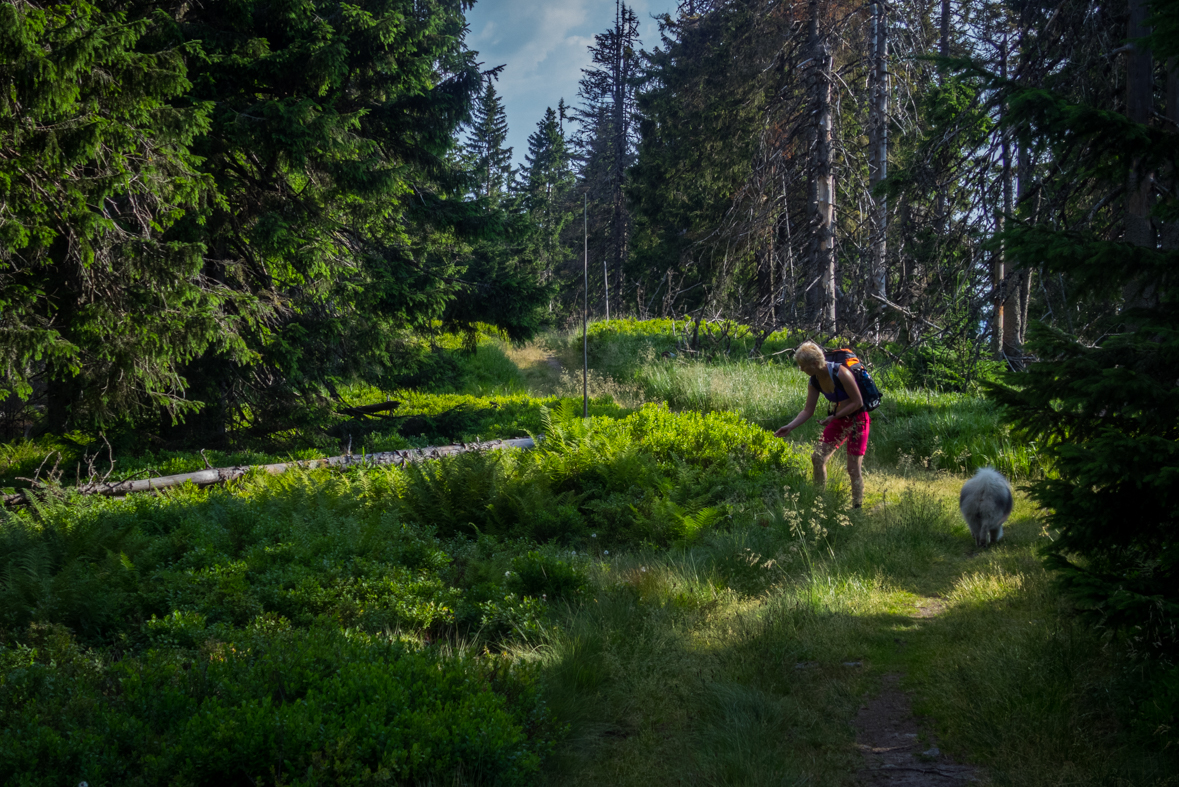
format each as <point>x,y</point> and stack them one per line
<point>540,575</point>
<point>248,632</point>
<point>265,702</point>
<point>619,347</point>
<point>285,627</point>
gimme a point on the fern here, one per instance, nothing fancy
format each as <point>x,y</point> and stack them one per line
<point>691,525</point>
<point>564,430</point>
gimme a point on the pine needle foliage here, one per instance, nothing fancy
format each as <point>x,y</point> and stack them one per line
<point>491,161</point>
<point>1102,405</point>
<point>217,212</point>
<point>547,182</point>
<point>340,207</point>
<point>99,296</point>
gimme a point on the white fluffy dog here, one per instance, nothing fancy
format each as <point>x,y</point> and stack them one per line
<point>986,503</point>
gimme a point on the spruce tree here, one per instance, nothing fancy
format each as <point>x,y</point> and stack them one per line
<point>699,123</point>
<point>547,181</point>
<point>607,138</point>
<point>506,262</point>
<point>340,204</point>
<point>100,297</point>
<point>234,206</point>
<point>1103,408</point>
<point>547,171</point>
<point>491,162</point>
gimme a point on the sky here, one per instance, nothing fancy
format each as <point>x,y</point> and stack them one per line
<point>543,46</point>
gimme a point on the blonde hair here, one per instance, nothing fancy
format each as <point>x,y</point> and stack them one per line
<point>809,356</point>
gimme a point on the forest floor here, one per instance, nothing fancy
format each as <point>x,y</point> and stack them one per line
<point>662,580</point>
<point>901,655</point>
<point>897,747</point>
<point>890,738</point>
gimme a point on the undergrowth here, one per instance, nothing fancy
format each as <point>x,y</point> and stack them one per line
<point>219,636</point>
<point>935,430</point>
<point>656,594</point>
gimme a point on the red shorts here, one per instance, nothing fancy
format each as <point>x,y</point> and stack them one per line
<point>853,429</point>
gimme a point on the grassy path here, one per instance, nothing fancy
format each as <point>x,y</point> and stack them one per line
<point>773,637</point>
<point>786,655</point>
<point>746,661</point>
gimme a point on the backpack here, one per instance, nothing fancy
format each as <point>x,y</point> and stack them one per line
<point>869,393</point>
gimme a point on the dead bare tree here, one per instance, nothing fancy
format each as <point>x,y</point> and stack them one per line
<point>878,154</point>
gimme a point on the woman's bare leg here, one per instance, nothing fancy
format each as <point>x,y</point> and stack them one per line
<point>855,471</point>
<point>823,452</point>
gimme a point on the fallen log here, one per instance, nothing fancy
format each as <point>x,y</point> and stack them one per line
<point>369,409</point>
<point>218,475</point>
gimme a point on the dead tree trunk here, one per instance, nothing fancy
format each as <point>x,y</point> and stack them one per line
<point>1017,285</point>
<point>878,155</point>
<point>220,475</point>
<point>625,38</point>
<point>1139,107</point>
<point>821,290</point>
<point>784,242</point>
<point>1169,231</point>
<point>766,286</point>
<point>944,36</point>
<point>943,50</point>
<point>999,272</point>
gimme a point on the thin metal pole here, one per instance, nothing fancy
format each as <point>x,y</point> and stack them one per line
<point>585,315</point>
<point>606,281</point>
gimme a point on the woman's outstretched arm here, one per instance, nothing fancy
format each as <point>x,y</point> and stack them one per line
<point>812,398</point>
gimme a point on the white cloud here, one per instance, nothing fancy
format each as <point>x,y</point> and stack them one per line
<point>544,46</point>
<point>487,34</point>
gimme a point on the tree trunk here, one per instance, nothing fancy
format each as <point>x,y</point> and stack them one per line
<point>1169,231</point>
<point>764,257</point>
<point>1017,284</point>
<point>999,279</point>
<point>784,241</point>
<point>219,475</point>
<point>1139,106</point>
<point>63,393</point>
<point>821,292</point>
<point>878,155</point>
<point>943,49</point>
<point>620,127</point>
<point>1018,280</point>
<point>944,36</point>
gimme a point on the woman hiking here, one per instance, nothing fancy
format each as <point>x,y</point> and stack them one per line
<point>848,423</point>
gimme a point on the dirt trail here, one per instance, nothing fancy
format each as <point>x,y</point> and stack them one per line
<point>896,750</point>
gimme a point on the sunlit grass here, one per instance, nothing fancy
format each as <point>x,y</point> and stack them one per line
<point>742,659</point>
<point>936,431</point>
<point>740,655</point>
<point>927,429</point>
<point>493,370</point>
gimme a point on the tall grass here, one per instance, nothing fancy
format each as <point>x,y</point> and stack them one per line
<point>490,370</point>
<point>740,659</point>
<point>691,608</point>
<point>949,431</point>
<point>938,431</point>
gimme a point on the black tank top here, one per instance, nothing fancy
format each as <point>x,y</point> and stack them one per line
<point>838,395</point>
